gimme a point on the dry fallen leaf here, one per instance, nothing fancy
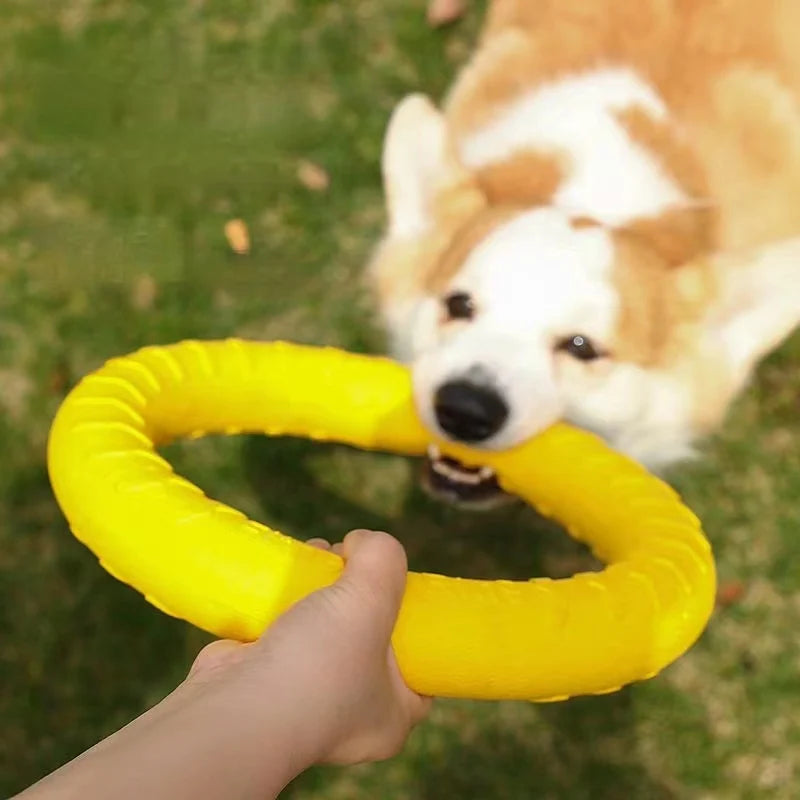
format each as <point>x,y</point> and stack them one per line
<point>238,236</point>
<point>313,176</point>
<point>729,593</point>
<point>443,12</point>
<point>143,293</point>
<point>59,379</point>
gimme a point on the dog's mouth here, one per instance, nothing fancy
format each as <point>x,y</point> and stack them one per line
<point>448,479</point>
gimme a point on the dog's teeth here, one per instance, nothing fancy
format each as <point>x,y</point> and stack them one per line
<point>445,469</point>
<point>463,475</point>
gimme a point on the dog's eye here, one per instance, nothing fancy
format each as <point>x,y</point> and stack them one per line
<point>580,347</point>
<point>459,305</point>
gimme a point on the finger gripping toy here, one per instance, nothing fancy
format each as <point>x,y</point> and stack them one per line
<point>197,559</point>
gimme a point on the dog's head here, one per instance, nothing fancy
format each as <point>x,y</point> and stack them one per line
<point>514,317</point>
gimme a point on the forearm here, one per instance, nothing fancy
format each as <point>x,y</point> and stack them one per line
<point>206,741</point>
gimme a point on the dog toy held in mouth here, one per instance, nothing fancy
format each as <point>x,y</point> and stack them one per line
<point>197,559</point>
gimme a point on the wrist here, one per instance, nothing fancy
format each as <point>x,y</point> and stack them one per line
<point>294,704</point>
<point>281,716</point>
<point>248,725</point>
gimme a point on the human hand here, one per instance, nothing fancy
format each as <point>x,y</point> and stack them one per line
<point>330,657</point>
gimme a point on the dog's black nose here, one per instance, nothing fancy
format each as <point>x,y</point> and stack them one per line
<point>469,412</point>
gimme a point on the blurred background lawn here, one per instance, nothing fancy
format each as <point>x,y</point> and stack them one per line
<point>131,131</point>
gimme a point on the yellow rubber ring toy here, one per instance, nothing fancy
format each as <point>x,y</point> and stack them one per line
<point>204,562</point>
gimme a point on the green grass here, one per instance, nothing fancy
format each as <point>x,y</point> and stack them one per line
<point>129,133</point>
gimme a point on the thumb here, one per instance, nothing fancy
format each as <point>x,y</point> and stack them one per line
<point>374,575</point>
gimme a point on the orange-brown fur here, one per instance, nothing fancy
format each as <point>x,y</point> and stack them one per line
<point>463,241</point>
<point>729,71</point>
<point>654,307</point>
<point>526,179</point>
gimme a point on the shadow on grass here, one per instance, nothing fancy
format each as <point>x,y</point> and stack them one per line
<point>587,750</point>
<point>81,653</point>
<point>511,542</point>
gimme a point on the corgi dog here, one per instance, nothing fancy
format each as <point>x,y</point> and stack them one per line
<point>601,225</point>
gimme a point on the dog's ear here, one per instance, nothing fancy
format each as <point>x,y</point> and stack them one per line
<point>422,175</point>
<point>756,303</point>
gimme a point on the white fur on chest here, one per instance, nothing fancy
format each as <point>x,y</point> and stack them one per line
<point>610,177</point>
